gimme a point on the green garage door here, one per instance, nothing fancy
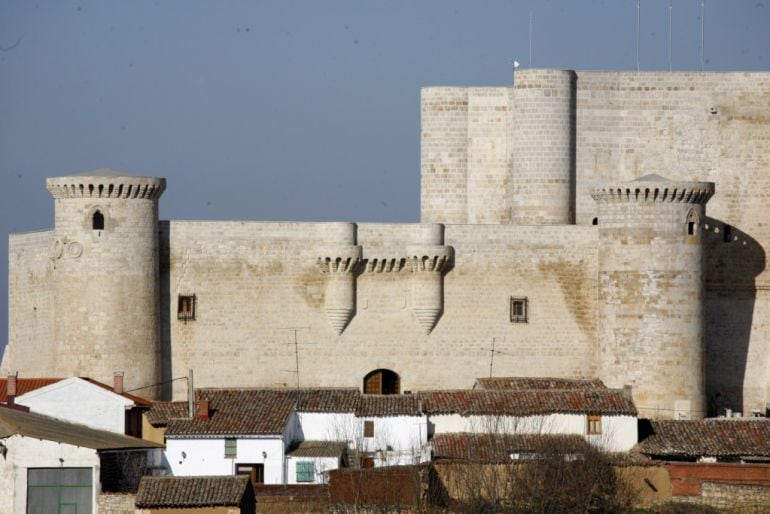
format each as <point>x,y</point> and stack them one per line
<point>59,490</point>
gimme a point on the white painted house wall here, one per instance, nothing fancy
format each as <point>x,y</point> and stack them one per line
<point>327,426</point>
<point>406,435</point>
<point>196,457</point>
<point>321,464</point>
<point>78,401</point>
<point>24,453</point>
<point>619,433</point>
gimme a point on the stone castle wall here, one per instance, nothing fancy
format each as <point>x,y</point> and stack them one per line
<point>262,280</point>
<point>685,126</point>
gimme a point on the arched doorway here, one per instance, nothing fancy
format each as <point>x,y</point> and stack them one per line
<point>382,381</point>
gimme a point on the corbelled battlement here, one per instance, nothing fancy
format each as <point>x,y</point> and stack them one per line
<point>653,188</point>
<point>106,183</point>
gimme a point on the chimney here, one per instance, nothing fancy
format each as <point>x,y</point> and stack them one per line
<point>117,382</point>
<point>11,387</point>
<point>202,409</point>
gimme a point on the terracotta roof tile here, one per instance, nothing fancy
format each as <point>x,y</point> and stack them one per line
<point>371,405</point>
<point>162,412</point>
<point>500,383</point>
<point>256,411</point>
<point>317,449</point>
<point>715,437</point>
<point>528,402</point>
<point>191,492</point>
<point>24,385</point>
<point>499,447</point>
<point>237,412</point>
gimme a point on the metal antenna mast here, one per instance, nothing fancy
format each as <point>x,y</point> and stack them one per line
<point>702,16</point>
<point>670,7</point>
<point>530,38</point>
<point>296,344</point>
<point>492,351</point>
<point>638,16</point>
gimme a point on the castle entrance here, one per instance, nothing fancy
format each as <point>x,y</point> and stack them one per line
<point>382,381</point>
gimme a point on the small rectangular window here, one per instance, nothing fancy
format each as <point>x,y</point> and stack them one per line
<point>186,307</point>
<point>519,308</point>
<point>727,233</point>
<point>305,472</point>
<point>594,425</point>
<point>368,428</point>
<point>231,448</point>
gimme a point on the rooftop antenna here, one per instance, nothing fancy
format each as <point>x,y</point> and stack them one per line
<point>530,38</point>
<point>296,350</point>
<point>492,351</point>
<point>670,7</point>
<point>702,16</point>
<point>638,16</point>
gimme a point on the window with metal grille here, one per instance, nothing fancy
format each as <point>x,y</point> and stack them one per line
<point>368,428</point>
<point>305,472</point>
<point>231,448</point>
<point>519,308</point>
<point>186,307</point>
<point>594,425</point>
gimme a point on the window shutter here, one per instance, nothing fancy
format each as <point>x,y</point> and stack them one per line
<point>305,472</point>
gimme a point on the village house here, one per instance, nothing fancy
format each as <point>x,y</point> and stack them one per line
<point>78,400</point>
<point>49,464</point>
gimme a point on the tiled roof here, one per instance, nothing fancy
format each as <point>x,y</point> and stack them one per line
<point>237,412</point>
<point>255,411</point>
<point>326,399</point>
<point>24,385</point>
<point>499,447</point>
<point>528,402</point>
<point>28,424</point>
<point>317,449</point>
<point>498,383</point>
<point>371,405</point>
<point>191,492</point>
<point>709,437</point>
<point>138,400</point>
<point>162,412</point>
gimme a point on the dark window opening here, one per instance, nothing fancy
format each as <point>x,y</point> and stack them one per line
<point>519,308</point>
<point>595,221</point>
<point>382,381</point>
<point>97,222</point>
<point>690,228</point>
<point>255,471</point>
<point>368,428</point>
<point>133,422</point>
<point>727,233</point>
<point>186,307</point>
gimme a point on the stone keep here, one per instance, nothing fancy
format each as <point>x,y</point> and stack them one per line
<point>106,313</point>
<point>563,233</point>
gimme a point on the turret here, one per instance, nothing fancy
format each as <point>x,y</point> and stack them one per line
<point>651,293</point>
<point>105,277</point>
<point>338,262</point>
<point>543,147</point>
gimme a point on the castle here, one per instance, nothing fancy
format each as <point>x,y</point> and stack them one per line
<point>563,233</point>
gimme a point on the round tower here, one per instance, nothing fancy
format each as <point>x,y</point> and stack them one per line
<point>429,260</point>
<point>651,293</point>
<point>106,280</point>
<point>543,147</point>
<point>338,262</point>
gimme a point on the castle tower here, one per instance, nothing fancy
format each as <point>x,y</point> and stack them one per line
<point>651,293</point>
<point>543,147</point>
<point>338,262</point>
<point>429,260</point>
<point>106,280</point>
